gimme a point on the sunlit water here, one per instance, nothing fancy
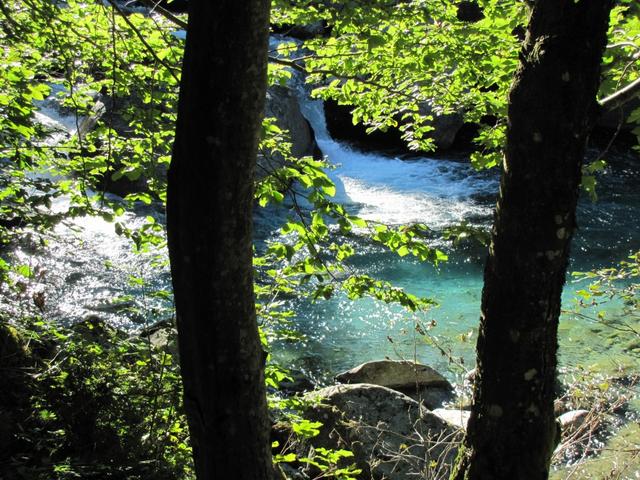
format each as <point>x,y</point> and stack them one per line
<point>86,268</point>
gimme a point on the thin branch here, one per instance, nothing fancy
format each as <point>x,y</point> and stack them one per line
<point>623,44</point>
<point>142,39</point>
<point>621,97</point>
<point>156,7</point>
<point>287,63</point>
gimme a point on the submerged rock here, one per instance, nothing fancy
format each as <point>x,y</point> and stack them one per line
<point>391,435</point>
<point>395,374</point>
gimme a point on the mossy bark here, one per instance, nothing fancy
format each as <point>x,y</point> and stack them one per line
<point>552,105</point>
<point>209,225</point>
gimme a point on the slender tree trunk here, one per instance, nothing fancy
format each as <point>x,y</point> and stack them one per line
<point>552,103</point>
<point>209,225</point>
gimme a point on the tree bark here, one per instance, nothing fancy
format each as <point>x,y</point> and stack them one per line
<point>209,227</point>
<point>512,432</point>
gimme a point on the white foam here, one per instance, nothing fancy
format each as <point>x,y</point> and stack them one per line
<point>395,191</point>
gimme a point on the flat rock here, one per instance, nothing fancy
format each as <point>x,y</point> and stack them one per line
<point>391,435</point>
<point>398,375</point>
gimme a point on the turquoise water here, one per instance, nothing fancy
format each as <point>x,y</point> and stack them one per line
<point>342,333</point>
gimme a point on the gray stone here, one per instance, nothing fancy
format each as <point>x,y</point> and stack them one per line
<point>445,126</point>
<point>432,397</point>
<point>392,436</point>
<point>399,375</point>
<point>282,104</point>
<point>573,420</point>
<point>458,418</point>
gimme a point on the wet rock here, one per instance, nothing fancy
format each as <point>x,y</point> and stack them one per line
<point>398,375</point>
<point>458,418</point>
<point>74,277</point>
<point>111,306</point>
<point>341,127</point>
<point>391,435</point>
<point>282,104</point>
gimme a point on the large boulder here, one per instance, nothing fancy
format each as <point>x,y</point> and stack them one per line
<point>395,374</point>
<point>341,127</point>
<point>458,418</point>
<point>392,436</point>
<point>282,103</point>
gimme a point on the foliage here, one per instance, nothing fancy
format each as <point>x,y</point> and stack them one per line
<point>401,64</point>
<point>612,285</point>
<point>100,405</point>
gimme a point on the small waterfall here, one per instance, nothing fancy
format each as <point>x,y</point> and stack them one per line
<point>395,191</point>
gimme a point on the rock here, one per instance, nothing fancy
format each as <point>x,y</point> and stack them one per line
<point>159,325</point>
<point>13,350</point>
<point>282,104</point>
<point>303,32</point>
<point>288,472</point>
<point>95,329</point>
<point>299,383</point>
<point>446,126</point>
<point>165,339</point>
<point>341,127</point>
<point>398,375</point>
<point>458,418</point>
<point>162,335</point>
<point>432,397</point>
<point>392,436</point>
<point>111,306</point>
<point>559,407</point>
<point>573,420</point>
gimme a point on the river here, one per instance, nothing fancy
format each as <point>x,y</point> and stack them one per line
<point>84,267</point>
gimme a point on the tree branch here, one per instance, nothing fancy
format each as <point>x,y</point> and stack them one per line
<point>144,42</point>
<point>155,7</point>
<point>621,97</point>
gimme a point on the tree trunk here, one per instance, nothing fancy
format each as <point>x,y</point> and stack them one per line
<point>209,227</point>
<point>552,104</point>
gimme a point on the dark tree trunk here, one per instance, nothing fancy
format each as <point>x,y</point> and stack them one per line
<point>552,104</point>
<point>209,226</point>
